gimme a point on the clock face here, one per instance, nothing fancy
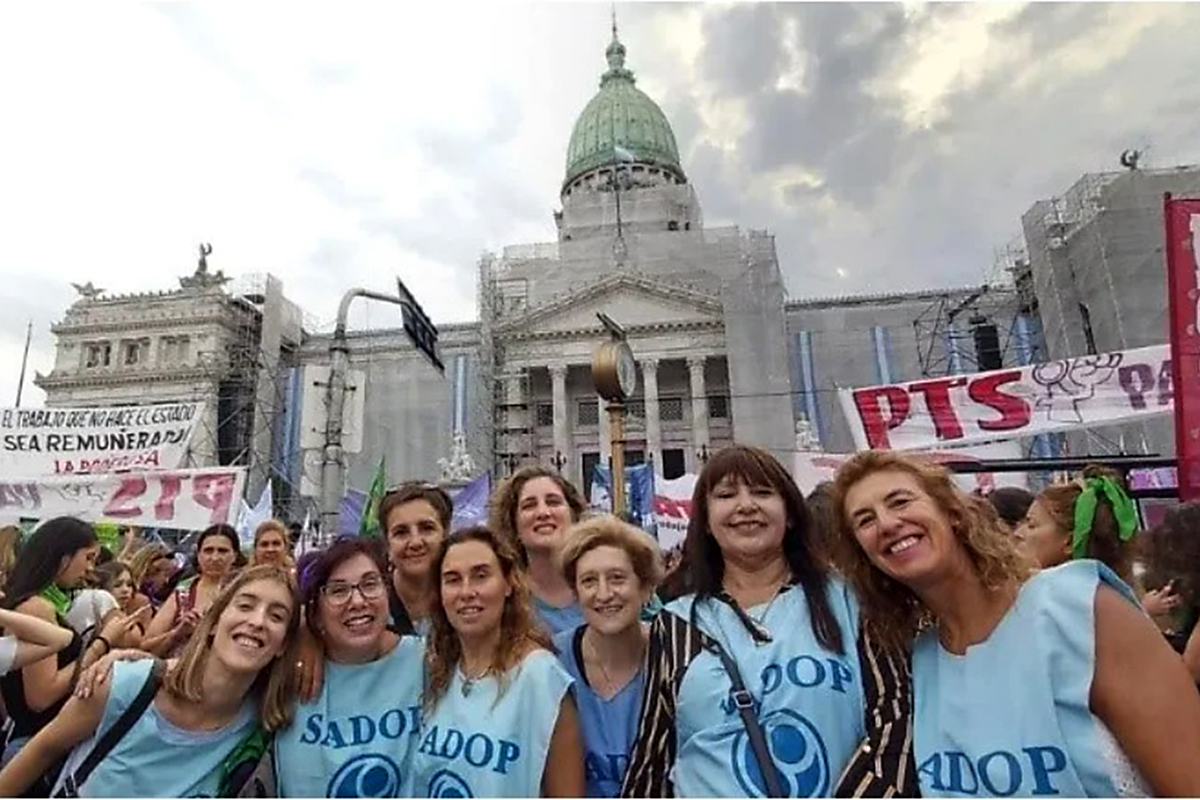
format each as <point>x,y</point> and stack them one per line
<point>626,371</point>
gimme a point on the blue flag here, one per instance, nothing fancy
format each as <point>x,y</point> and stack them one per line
<point>471,503</point>
<point>639,493</point>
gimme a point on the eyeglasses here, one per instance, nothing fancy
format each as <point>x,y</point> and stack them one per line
<point>338,594</point>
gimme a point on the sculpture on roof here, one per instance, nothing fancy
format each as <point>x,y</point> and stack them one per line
<point>807,439</point>
<point>459,466</point>
<point>87,291</point>
<point>202,278</point>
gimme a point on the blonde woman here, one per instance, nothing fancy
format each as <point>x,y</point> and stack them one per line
<point>272,545</point>
<point>232,675</point>
<point>613,568</point>
<point>1024,683</point>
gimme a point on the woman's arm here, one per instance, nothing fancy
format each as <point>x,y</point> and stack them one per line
<point>1146,697</point>
<point>43,681</point>
<point>77,720</point>
<point>563,776</point>
<point>36,638</point>
<point>1191,654</point>
<point>163,633</point>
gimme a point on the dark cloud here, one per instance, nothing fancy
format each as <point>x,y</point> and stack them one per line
<point>732,66</point>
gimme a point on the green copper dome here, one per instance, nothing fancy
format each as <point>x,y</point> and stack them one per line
<point>621,116</point>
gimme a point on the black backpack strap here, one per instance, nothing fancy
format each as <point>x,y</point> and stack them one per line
<point>743,701</point>
<point>114,734</point>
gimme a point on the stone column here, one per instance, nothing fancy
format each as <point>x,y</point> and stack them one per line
<point>513,398</point>
<point>653,427</point>
<point>558,384</point>
<point>699,409</point>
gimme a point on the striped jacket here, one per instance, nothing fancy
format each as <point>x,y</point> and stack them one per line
<point>882,766</point>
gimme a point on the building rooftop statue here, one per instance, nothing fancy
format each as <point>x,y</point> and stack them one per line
<point>620,116</point>
<point>202,278</point>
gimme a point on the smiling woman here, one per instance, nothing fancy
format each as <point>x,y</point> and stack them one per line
<point>1084,696</point>
<point>231,678</point>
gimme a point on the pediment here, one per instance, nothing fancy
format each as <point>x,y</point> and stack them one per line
<point>634,302</point>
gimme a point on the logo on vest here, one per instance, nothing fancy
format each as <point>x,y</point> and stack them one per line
<point>801,762</point>
<point>369,775</point>
<point>445,783</point>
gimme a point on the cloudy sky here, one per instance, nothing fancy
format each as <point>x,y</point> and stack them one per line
<point>888,147</point>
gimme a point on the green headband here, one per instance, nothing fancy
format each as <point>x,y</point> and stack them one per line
<point>1085,513</point>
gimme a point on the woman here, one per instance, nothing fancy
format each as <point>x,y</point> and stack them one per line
<point>56,559</point>
<point>1012,504</point>
<point>229,677</point>
<point>153,567</point>
<point>1172,553</point>
<point>1018,680</point>
<point>614,568</point>
<point>533,509</point>
<point>354,739</point>
<point>498,719</point>
<point>28,639</point>
<point>416,518</point>
<point>216,555</point>
<point>272,545</point>
<point>759,623</point>
<point>1053,533</point>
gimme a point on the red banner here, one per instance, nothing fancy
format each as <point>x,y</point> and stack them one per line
<point>1182,219</point>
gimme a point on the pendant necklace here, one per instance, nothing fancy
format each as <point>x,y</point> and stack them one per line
<point>468,681</point>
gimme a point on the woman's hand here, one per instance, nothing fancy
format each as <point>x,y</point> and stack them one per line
<point>1161,602</point>
<point>95,676</point>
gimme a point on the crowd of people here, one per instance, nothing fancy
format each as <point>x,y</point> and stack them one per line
<point>889,634</point>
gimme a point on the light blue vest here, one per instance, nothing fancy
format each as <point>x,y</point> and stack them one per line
<point>1011,716</point>
<point>608,726</point>
<point>475,745</point>
<point>808,700</point>
<point>356,739</point>
<point>155,758</point>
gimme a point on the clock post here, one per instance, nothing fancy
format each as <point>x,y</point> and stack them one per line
<point>614,373</point>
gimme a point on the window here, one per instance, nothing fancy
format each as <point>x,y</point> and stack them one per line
<point>173,349</point>
<point>589,413</point>
<point>672,463</point>
<point>718,407</point>
<point>634,458</point>
<point>670,409</point>
<point>98,354</point>
<point>636,408</point>
<point>588,462</point>
<point>131,353</point>
<point>545,415</point>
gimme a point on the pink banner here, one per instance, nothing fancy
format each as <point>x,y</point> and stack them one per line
<point>1182,218</point>
<point>190,499</point>
<point>1008,403</point>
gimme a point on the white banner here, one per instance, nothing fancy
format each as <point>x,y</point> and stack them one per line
<point>190,499</point>
<point>1008,403</point>
<point>66,441</point>
<point>811,469</point>
<point>673,509</point>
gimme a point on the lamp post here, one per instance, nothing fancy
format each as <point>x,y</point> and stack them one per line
<point>558,461</point>
<point>614,373</point>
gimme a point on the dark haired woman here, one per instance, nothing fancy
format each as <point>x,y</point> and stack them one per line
<point>498,721</point>
<point>415,518</point>
<point>1172,553</point>
<point>532,509</point>
<point>217,554</point>
<point>752,598</point>
<point>56,559</point>
<point>355,737</point>
<point>233,674</point>
<point>1026,683</point>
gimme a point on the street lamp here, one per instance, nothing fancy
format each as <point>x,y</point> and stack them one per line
<point>558,461</point>
<point>614,374</point>
<point>702,454</point>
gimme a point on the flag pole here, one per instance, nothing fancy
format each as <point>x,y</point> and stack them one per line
<point>24,362</point>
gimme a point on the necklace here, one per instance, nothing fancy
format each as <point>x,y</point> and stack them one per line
<point>468,681</point>
<point>760,620</point>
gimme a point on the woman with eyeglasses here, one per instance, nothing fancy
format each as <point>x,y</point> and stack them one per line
<point>498,719</point>
<point>415,518</point>
<point>533,509</point>
<point>355,738</point>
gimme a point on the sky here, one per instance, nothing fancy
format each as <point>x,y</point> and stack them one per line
<point>888,147</point>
